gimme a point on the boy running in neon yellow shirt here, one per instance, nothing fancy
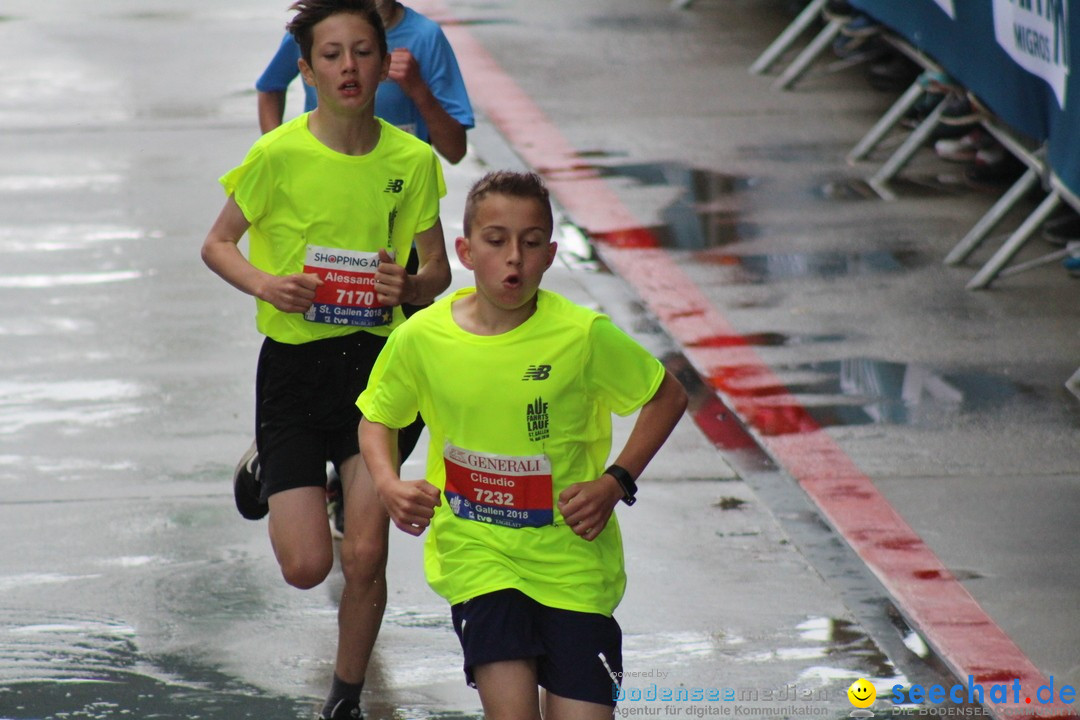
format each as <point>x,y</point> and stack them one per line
<point>332,203</point>
<point>517,386</point>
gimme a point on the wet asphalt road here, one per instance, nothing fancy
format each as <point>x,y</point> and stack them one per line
<point>129,587</point>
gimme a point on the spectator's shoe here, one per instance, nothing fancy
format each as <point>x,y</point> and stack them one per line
<point>344,710</point>
<point>335,507</point>
<point>1062,230</point>
<point>994,168</point>
<point>247,489</point>
<point>965,148</point>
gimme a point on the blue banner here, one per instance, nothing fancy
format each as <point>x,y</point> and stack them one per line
<point>1014,55</point>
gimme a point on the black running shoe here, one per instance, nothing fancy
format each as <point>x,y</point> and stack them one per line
<point>344,710</point>
<point>247,488</point>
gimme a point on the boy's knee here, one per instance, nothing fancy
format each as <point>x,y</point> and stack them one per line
<point>363,561</point>
<point>305,573</point>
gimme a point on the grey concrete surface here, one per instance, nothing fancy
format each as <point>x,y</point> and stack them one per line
<point>129,587</point>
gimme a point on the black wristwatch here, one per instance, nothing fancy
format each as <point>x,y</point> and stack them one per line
<point>626,482</point>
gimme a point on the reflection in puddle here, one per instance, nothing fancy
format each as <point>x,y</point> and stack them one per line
<point>73,403</point>
<point>14,582</point>
<point>754,269</point>
<point>28,327</point>
<point>837,639</point>
<point>41,183</point>
<point>706,212</point>
<point>472,22</point>
<point>67,279</point>
<point>722,426</point>
<point>54,238</point>
<point>92,668</point>
<point>821,657</point>
<point>855,391</point>
<point>763,340</point>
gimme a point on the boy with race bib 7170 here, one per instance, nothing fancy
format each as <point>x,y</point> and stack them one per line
<point>332,203</point>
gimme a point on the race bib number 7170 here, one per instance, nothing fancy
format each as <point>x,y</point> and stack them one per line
<point>347,295</point>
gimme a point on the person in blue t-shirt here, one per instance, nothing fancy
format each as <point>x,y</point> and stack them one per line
<point>423,95</point>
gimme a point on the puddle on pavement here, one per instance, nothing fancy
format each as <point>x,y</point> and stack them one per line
<point>166,15</point>
<point>75,667</point>
<point>857,391</point>
<point>706,212</point>
<point>719,423</point>
<point>67,279</point>
<point>610,22</point>
<point>826,265</point>
<point>59,238</point>
<point>471,22</point>
<point>44,327</point>
<point>823,656</point>
<point>766,339</point>
<point>51,183</point>
<point>793,152</point>
<point>846,189</point>
<point>73,404</point>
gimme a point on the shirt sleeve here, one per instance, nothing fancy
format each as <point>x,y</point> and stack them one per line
<point>443,77</point>
<point>282,69</point>
<point>390,397</point>
<point>433,188</point>
<point>248,182</point>
<point>618,370</point>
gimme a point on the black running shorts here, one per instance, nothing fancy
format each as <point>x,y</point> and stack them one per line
<point>509,625</point>
<point>305,408</point>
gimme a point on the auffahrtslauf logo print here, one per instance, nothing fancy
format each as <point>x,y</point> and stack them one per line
<point>536,419</point>
<point>394,185</point>
<point>537,372</point>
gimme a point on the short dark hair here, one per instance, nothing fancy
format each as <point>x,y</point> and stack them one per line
<point>310,13</point>
<point>524,185</point>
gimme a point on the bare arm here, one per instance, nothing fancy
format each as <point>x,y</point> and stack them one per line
<point>447,134</point>
<point>587,506</point>
<point>410,503</point>
<point>271,110</point>
<point>394,286</point>
<point>289,293</point>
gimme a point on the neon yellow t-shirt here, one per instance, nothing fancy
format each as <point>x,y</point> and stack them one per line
<point>299,194</point>
<point>506,403</point>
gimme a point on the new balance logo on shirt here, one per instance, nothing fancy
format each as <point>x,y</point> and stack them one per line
<point>537,372</point>
<point>394,185</point>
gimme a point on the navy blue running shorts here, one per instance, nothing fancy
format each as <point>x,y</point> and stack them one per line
<point>305,408</point>
<point>509,625</point>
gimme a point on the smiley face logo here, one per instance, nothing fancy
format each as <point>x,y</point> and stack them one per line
<point>861,693</point>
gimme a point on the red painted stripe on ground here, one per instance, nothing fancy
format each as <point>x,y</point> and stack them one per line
<point>933,600</point>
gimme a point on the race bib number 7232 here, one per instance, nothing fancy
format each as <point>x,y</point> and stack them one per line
<point>513,491</point>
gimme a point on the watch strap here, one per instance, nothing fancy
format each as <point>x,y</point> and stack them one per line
<point>626,482</point>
